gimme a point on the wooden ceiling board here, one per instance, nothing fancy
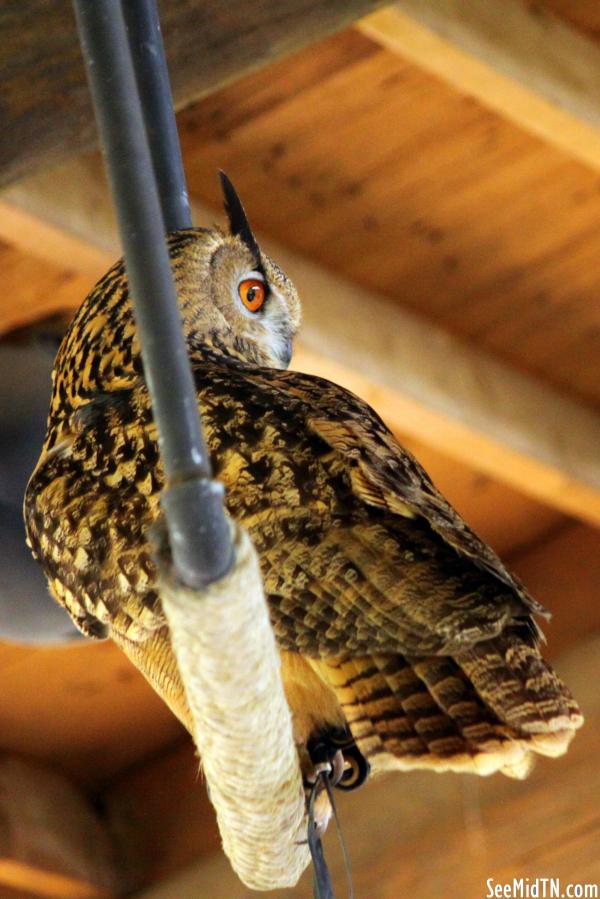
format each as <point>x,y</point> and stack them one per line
<point>46,110</point>
<point>583,14</point>
<point>84,709</point>
<point>393,179</point>
<point>32,288</point>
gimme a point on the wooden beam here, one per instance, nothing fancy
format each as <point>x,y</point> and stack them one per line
<point>43,240</point>
<point>52,843</point>
<point>514,56</point>
<point>83,708</point>
<point>415,827</point>
<point>563,571</point>
<point>423,381</point>
<point>46,112</point>
<point>160,816</point>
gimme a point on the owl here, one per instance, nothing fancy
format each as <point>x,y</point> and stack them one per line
<point>403,638</point>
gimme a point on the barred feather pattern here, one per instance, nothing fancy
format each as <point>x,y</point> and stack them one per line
<point>390,613</point>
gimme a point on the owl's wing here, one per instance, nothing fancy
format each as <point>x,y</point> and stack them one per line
<point>387,476</point>
<point>359,552</point>
<point>422,580</point>
<point>369,573</point>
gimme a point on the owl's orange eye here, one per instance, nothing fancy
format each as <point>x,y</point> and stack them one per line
<point>252,293</point>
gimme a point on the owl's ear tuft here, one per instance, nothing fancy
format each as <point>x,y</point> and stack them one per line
<point>238,222</point>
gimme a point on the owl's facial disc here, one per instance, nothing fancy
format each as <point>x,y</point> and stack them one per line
<point>265,313</point>
<point>253,311</point>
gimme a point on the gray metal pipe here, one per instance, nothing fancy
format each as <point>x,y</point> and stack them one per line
<point>192,502</point>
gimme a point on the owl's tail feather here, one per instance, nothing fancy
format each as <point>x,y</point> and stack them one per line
<point>523,691</point>
<point>488,710</point>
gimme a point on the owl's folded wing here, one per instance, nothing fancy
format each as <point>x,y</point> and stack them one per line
<point>386,475</point>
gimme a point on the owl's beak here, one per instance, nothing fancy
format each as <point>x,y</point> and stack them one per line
<point>238,221</point>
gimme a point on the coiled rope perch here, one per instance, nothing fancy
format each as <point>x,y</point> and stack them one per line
<point>229,664</point>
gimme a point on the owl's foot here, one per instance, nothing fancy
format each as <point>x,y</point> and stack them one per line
<point>334,760</point>
<point>337,753</point>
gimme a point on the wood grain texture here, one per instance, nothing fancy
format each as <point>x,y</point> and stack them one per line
<point>396,181</point>
<point>52,842</point>
<point>518,59</point>
<point>583,14</point>
<point>84,709</point>
<point>46,111</point>
<point>34,288</point>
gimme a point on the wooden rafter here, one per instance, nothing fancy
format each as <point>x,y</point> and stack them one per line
<point>513,56</point>
<point>52,843</point>
<point>423,381</point>
<point>46,112</point>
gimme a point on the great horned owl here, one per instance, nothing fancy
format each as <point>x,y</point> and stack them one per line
<point>394,620</point>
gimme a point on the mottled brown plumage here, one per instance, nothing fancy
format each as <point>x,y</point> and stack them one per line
<point>391,615</point>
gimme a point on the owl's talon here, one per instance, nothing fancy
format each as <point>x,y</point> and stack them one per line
<point>338,757</point>
<point>332,769</point>
<point>338,766</point>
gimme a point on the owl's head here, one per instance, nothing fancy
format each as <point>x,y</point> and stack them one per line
<point>234,301</point>
<point>234,298</point>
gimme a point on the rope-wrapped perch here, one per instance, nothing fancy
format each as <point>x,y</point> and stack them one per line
<point>229,663</point>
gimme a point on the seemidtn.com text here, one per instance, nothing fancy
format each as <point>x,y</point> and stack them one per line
<point>539,888</point>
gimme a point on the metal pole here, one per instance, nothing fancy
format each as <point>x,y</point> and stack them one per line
<point>152,75</point>
<point>193,504</point>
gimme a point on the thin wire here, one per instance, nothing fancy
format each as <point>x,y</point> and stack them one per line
<point>322,887</point>
<point>338,827</point>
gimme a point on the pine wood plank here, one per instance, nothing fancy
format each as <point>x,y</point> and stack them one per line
<point>47,114</point>
<point>423,381</point>
<point>528,65</point>
<point>389,177</point>
<point>52,842</point>
<point>84,709</point>
<point>583,14</point>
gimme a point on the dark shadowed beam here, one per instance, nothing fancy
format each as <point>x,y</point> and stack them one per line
<point>45,109</point>
<point>53,843</point>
